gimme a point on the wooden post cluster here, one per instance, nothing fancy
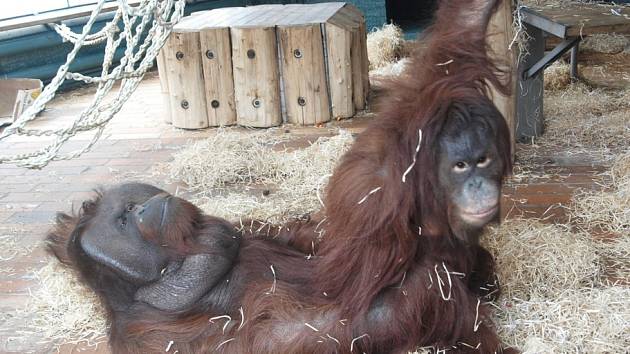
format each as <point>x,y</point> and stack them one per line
<point>260,66</point>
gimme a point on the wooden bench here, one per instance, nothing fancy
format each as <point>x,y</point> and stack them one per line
<point>570,23</point>
<point>264,65</point>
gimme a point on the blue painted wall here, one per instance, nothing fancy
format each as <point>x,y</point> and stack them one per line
<point>38,52</point>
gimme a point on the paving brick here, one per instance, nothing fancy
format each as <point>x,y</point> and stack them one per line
<point>105,154</point>
<point>5,215</point>
<point>81,161</point>
<point>101,348</point>
<point>18,206</point>
<point>65,206</point>
<point>31,180</point>
<point>117,170</point>
<point>144,160</point>
<point>62,187</point>
<point>34,197</point>
<point>15,187</point>
<point>57,171</point>
<point>12,301</point>
<point>34,216</point>
<point>8,171</point>
<point>17,286</point>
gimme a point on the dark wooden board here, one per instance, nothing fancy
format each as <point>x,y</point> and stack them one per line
<point>579,19</point>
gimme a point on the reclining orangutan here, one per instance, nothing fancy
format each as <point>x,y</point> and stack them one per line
<point>392,264</point>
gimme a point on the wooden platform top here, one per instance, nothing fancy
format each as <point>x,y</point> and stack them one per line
<point>272,15</point>
<point>578,19</point>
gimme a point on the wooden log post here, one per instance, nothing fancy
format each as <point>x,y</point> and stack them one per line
<point>256,76</point>
<point>500,34</point>
<point>216,55</point>
<point>360,62</point>
<point>185,81</point>
<point>161,64</point>
<point>339,42</point>
<point>304,74</point>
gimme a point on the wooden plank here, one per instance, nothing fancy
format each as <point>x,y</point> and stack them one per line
<point>216,54</point>
<point>162,72</point>
<point>57,15</point>
<point>577,19</point>
<point>360,62</point>
<point>256,79</point>
<point>500,31</point>
<point>548,25</point>
<point>304,74</point>
<point>185,81</point>
<point>340,71</point>
<point>263,17</point>
<point>578,31</point>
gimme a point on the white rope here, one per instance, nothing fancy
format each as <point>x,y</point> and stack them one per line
<point>146,27</point>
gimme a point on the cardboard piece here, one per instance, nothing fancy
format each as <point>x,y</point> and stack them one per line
<point>15,96</point>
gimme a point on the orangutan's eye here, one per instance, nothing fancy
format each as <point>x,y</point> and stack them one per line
<point>460,167</point>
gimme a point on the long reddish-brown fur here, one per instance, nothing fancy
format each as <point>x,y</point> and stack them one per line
<point>385,273</point>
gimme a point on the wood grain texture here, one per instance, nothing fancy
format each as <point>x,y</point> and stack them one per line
<point>340,70</point>
<point>216,57</point>
<point>500,34</point>
<point>185,81</point>
<point>304,75</point>
<point>256,80</point>
<point>162,68</point>
<point>584,19</point>
<point>360,62</point>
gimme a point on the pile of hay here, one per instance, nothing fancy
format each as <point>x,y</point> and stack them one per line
<point>608,43</point>
<point>65,311</point>
<point>245,175</point>
<point>229,157</point>
<point>384,46</point>
<point>391,69</point>
<point>607,211</point>
<point>584,117</point>
<point>555,298</point>
<point>557,76</point>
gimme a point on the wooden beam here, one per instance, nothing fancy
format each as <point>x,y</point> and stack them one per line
<point>57,15</point>
<point>538,20</point>
<point>500,34</point>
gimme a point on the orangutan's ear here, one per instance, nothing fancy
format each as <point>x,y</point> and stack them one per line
<point>61,233</point>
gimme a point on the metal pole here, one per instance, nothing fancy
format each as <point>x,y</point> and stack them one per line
<point>574,61</point>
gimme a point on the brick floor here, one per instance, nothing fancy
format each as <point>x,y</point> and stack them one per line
<point>134,142</point>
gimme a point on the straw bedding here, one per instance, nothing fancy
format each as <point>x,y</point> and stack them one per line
<point>564,291</point>
<point>384,46</point>
<point>556,298</point>
<point>556,293</point>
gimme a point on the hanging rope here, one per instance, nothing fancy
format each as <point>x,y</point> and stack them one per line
<point>145,28</point>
